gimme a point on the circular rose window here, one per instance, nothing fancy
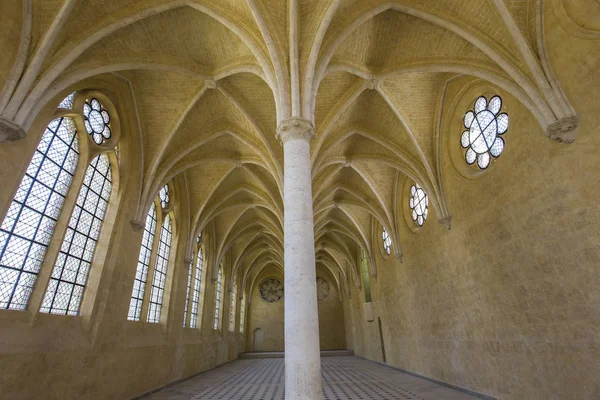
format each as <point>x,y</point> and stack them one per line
<point>484,126</point>
<point>97,121</point>
<point>271,290</point>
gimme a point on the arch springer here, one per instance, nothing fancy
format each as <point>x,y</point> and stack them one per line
<point>295,128</point>
<point>9,131</point>
<point>446,221</point>
<point>564,130</point>
<point>137,225</point>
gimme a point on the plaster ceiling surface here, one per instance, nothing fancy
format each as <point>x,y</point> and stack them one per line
<point>212,80</point>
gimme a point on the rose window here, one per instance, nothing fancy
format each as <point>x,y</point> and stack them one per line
<point>271,290</point>
<point>418,203</point>
<point>485,124</point>
<point>97,121</point>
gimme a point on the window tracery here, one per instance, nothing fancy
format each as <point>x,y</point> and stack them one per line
<point>232,309</point>
<point>387,241</point>
<point>242,312</point>
<point>485,125</point>
<point>419,204</point>
<point>97,121</point>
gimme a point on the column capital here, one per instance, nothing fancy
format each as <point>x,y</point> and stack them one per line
<point>9,131</point>
<point>295,128</point>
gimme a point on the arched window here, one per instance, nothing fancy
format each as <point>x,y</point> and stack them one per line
<point>418,203</point>
<point>72,267</point>
<point>232,309</point>
<point>29,223</point>
<point>156,277</point>
<point>484,126</point>
<point>160,272</point>
<point>141,274</point>
<point>218,297</point>
<point>242,312</point>
<point>387,242</point>
<point>193,289</point>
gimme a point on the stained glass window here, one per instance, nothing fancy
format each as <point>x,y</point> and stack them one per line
<point>160,272</point>
<point>29,223</point>
<point>218,298</point>
<point>242,312</point>
<point>141,273</point>
<point>163,196</point>
<point>232,309</point>
<point>418,203</point>
<point>196,292</point>
<point>387,242</point>
<point>72,267</point>
<point>484,126</point>
<point>97,121</point>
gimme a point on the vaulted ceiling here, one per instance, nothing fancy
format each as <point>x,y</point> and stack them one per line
<point>212,79</point>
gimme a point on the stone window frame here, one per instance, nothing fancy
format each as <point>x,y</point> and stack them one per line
<point>72,107</point>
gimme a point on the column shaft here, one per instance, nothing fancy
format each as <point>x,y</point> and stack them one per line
<point>302,354</point>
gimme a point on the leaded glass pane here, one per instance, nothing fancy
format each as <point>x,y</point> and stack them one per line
<point>242,313</point>
<point>418,203</point>
<point>29,223</point>
<point>218,298</point>
<point>387,242</point>
<point>141,273</point>
<point>160,272</point>
<point>72,267</point>
<point>232,309</point>
<point>196,293</point>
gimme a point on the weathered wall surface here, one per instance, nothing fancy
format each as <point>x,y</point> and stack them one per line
<point>505,303</point>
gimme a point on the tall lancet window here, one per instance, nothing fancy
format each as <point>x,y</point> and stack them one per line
<point>232,308</point>
<point>218,298</point>
<point>242,312</point>
<point>141,273</point>
<point>72,267</point>
<point>192,300</point>
<point>162,262</point>
<point>29,224</point>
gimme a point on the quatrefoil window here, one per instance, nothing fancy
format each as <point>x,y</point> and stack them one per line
<point>97,121</point>
<point>484,126</point>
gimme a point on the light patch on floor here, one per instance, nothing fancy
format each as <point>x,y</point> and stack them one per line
<point>344,378</point>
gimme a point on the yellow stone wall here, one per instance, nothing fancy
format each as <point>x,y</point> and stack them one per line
<point>506,302</point>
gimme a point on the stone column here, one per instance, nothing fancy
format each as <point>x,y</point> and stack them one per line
<point>302,354</point>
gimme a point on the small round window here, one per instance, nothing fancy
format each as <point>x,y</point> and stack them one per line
<point>97,121</point>
<point>485,124</point>
<point>387,242</point>
<point>418,203</point>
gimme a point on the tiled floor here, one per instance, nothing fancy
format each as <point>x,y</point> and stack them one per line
<point>343,378</point>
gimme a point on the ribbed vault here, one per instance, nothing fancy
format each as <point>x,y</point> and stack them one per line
<point>211,80</point>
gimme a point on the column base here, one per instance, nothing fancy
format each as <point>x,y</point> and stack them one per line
<point>9,131</point>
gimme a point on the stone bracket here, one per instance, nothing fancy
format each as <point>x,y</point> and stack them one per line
<point>564,130</point>
<point>446,221</point>
<point>137,225</point>
<point>9,131</point>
